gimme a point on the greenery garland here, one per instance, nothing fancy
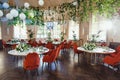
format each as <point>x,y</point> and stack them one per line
<point>80,12</point>
<point>84,8</point>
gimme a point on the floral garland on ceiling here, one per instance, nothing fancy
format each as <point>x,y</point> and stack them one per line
<point>33,17</point>
<point>77,12</point>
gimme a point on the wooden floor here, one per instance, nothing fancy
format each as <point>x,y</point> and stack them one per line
<point>68,68</point>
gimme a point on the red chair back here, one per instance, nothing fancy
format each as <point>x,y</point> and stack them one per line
<point>4,44</point>
<point>34,44</point>
<point>112,60</point>
<point>116,59</point>
<point>40,43</point>
<point>103,44</point>
<point>118,49</point>
<point>50,58</point>
<point>58,50</point>
<point>31,61</point>
<point>14,46</point>
<point>49,45</point>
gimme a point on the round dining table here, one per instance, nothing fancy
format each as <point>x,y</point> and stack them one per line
<point>39,50</point>
<point>19,56</point>
<point>97,51</point>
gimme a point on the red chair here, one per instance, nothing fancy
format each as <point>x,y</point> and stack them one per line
<point>58,51</point>
<point>68,45</point>
<point>117,51</point>
<point>76,51</point>
<point>103,44</point>
<point>113,61</point>
<point>40,43</point>
<point>5,46</point>
<point>33,43</point>
<point>30,42</point>
<point>31,62</point>
<point>14,46</point>
<point>50,58</point>
<point>49,45</point>
<point>62,45</point>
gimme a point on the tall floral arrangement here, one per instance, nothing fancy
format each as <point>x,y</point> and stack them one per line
<point>92,43</point>
<point>95,36</point>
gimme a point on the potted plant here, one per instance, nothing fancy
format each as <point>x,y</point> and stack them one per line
<point>95,36</point>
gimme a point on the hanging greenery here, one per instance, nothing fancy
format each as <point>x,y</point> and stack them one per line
<point>85,8</point>
<point>79,12</point>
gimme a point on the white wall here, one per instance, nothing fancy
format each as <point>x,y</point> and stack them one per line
<point>114,32</point>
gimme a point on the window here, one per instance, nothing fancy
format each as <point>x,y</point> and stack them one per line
<point>99,23</point>
<point>52,27</point>
<point>20,32</point>
<point>73,30</point>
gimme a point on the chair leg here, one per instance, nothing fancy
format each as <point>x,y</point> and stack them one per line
<point>78,57</point>
<point>42,66</point>
<point>36,70</point>
<point>25,73</point>
<point>55,64</point>
<point>74,56</point>
<point>49,65</point>
<point>24,70</point>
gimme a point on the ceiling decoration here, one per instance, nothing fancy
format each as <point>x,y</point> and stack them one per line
<point>35,12</point>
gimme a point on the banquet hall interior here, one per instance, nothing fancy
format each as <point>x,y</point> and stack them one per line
<point>59,40</point>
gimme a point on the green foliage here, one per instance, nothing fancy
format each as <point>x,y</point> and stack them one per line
<point>80,12</point>
<point>22,47</point>
<point>33,17</point>
<point>85,8</point>
<point>89,46</point>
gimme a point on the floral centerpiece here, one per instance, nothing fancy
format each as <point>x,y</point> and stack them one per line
<point>89,46</point>
<point>22,47</point>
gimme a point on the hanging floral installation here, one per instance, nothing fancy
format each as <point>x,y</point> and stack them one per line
<point>30,16</point>
<point>79,10</point>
